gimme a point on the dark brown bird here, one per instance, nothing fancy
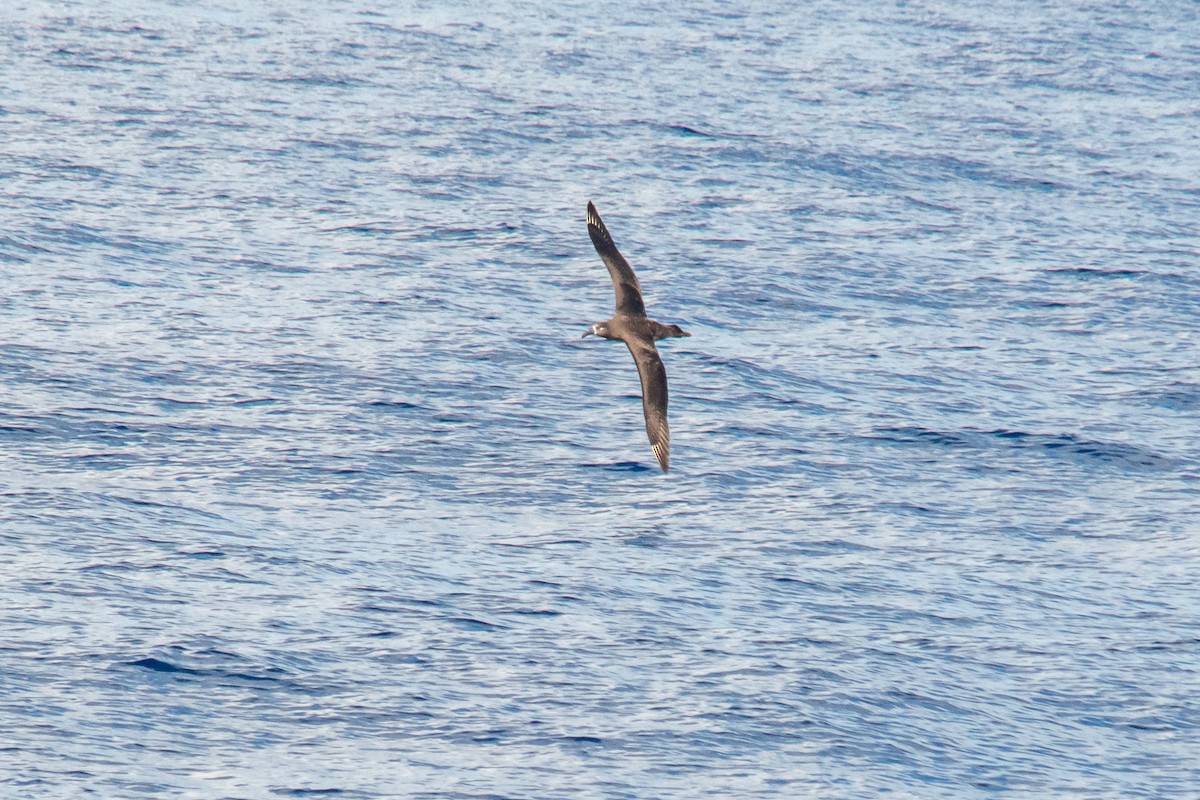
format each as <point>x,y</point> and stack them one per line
<point>631,326</point>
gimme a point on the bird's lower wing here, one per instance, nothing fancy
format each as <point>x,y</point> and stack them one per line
<point>654,398</point>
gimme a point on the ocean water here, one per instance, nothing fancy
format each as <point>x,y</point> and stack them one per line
<point>309,486</point>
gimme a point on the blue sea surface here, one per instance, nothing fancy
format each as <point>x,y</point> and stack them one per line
<point>309,486</point>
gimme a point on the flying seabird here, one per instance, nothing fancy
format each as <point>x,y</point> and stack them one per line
<point>631,326</point>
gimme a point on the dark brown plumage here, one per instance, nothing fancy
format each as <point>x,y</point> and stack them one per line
<point>639,333</point>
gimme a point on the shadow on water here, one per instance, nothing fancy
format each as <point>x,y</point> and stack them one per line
<point>1066,446</point>
<point>223,671</point>
<point>620,466</point>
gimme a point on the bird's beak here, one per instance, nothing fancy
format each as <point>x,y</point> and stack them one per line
<point>586,334</point>
<point>685,333</point>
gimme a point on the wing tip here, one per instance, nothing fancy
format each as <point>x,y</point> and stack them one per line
<point>663,454</point>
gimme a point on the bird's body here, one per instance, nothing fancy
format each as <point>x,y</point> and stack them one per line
<point>639,333</point>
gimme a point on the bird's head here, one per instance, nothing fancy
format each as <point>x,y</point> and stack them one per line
<point>599,329</point>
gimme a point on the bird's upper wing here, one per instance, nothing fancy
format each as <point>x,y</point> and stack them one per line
<point>629,291</point>
<point>654,397</point>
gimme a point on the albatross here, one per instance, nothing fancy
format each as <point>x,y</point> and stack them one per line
<point>639,333</point>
